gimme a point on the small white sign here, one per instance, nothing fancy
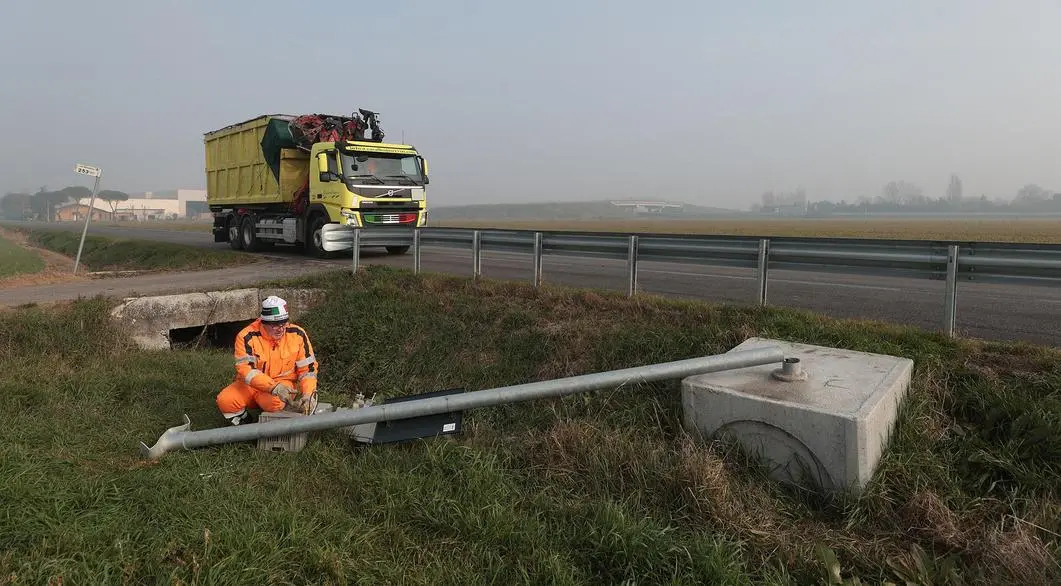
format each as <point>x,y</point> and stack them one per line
<point>448,427</point>
<point>87,170</point>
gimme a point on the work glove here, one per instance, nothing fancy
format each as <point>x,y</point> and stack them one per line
<point>307,403</point>
<point>285,393</point>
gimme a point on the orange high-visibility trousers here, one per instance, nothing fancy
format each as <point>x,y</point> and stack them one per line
<point>238,395</point>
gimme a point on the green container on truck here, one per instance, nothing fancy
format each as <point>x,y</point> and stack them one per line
<point>310,181</point>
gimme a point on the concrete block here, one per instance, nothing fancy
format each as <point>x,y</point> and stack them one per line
<point>830,429</point>
<point>287,443</point>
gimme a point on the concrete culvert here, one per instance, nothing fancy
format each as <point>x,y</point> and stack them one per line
<point>168,321</point>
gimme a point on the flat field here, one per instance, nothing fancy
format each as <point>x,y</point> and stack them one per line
<point>982,230</point>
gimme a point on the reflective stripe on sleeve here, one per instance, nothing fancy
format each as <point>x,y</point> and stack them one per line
<point>250,376</point>
<point>250,359</point>
<point>305,361</point>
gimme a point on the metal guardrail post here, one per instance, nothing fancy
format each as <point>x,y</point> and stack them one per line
<point>631,265</point>
<point>477,255</point>
<point>537,259</point>
<point>950,304</point>
<point>357,249</point>
<point>764,258</point>
<point>416,251</point>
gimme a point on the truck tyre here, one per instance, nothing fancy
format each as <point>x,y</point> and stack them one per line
<point>234,239</point>
<point>248,238</point>
<point>397,249</point>
<point>314,239</point>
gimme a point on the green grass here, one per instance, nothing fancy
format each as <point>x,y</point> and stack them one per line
<point>15,260</point>
<point>120,254</point>
<point>594,488</point>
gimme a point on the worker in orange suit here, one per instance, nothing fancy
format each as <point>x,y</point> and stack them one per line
<point>275,367</point>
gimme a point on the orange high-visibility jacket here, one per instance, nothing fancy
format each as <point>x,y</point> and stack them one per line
<point>262,362</point>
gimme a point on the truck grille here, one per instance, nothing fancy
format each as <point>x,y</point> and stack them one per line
<point>407,218</point>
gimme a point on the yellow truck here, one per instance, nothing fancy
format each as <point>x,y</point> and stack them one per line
<point>310,180</point>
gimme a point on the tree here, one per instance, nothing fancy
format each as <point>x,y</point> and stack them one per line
<point>954,190</point>
<point>15,206</point>
<point>900,192</point>
<point>1031,193</point>
<point>44,202</point>
<point>112,197</point>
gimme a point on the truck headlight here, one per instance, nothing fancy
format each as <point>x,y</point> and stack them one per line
<point>418,194</point>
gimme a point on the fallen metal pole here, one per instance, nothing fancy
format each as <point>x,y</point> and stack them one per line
<point>180,437</point>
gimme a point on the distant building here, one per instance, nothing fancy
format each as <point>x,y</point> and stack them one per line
<point>641,207</point>
<point>161,205</point>
<point>73,212</point>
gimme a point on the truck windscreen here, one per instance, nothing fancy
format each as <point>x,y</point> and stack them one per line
<point>381,168</point>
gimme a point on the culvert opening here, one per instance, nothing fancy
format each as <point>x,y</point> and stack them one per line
<point>219,335</point>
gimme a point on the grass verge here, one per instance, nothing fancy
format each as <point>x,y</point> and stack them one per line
<point>101,253</point>
<point>596,488</point>
<point>16,260</point>
<point>170,225</point>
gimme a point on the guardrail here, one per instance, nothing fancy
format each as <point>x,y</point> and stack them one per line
<point>1033,264</point>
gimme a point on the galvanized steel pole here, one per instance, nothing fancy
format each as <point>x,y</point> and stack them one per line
<point>764,262</point>
<point>477,267</point>
<point>950,303</point>
<point>357,248</point>
<point>180,437</point>
<point>88,216</point>
<point>416,251</point>
<point>537,259</point>
<point>631,266</point>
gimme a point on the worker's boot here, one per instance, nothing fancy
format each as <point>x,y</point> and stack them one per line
<point>237,418</point>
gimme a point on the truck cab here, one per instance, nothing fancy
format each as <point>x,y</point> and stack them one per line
<point>366,185</point>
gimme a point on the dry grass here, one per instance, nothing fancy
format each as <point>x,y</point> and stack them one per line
<point>53,267</point>
<point>992,230</point>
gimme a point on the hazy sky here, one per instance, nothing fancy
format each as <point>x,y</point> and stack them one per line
<point>709,103</point>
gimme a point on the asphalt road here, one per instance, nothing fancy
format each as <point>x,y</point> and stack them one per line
<point>989,311</point>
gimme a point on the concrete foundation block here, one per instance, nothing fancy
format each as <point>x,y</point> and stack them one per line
<point>286,443</point>
<point>829,430</point>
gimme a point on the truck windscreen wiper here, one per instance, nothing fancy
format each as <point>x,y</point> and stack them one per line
<point>368,176</point>
<point>406,177</point>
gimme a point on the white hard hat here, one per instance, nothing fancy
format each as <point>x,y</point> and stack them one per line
<point>274,309</point>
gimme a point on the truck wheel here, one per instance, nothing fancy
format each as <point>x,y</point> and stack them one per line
<point>234,239</point>
<point>314,239</point>
<point>397,249</point>
<point>248,238</point>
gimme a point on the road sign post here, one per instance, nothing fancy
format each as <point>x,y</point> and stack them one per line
<point>91,172</point>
